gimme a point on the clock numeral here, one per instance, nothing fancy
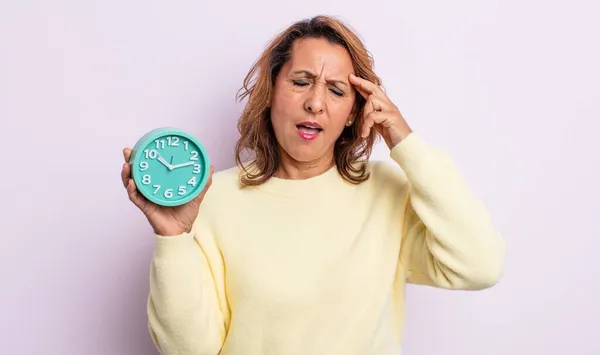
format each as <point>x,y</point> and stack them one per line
<point>186,145</point>
<point>146,179</point>
<point>192,181</point>
<point>194,155</point>
<point>168,193</point>
<point>143,166</point>
<point>170,141</point>
<point>196,169</point>
<point>151,153</point>
<point>181,190</point>
<point>157,187</point>
<point>173,141</point>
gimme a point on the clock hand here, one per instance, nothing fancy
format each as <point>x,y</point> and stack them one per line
<point>182,165</point>
<point>164,162</point>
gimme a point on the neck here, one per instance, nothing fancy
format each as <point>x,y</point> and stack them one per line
<point>292,169</point>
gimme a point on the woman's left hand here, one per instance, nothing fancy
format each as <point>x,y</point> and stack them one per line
<point>380,113</point>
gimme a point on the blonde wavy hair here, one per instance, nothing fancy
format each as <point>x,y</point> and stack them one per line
<point>257,135</point>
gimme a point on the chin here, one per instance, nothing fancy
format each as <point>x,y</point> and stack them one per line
<point>305,146</point>
<point>302,154</point>
<point>312,152</point>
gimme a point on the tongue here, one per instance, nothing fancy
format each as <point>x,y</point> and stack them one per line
<point>308,130</point>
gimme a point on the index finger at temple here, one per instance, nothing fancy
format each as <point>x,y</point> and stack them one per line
<point>366,85</point>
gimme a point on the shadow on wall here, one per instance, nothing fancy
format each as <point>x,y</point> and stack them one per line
<point>124,306</point>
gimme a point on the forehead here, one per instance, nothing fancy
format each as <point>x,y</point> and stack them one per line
<point>317,55</point>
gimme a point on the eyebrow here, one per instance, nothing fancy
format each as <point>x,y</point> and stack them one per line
<point>312,75</point>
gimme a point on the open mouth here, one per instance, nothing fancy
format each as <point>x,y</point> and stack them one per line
<point>309,130</point>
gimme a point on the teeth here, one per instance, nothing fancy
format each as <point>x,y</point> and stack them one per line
<point>310,127</point>
<point>307,129</point>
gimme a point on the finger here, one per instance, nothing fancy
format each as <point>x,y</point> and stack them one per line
<point>133,193</point>
<point>365,86</point>
<point>209,181</point>
<point>371,120</point>
<point>362,92</point>
<point>126,153</point>
<point>198,199</point>
<point>368,123</point>
<point>373,104</point>
<point>125,174</point>
<point>136,197</point>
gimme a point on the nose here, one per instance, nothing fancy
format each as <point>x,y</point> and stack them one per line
<point>315,102</point>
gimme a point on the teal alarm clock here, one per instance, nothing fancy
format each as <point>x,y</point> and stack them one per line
<point>169,166</point>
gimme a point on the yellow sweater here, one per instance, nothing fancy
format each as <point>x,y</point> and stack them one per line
<point>319,266</point>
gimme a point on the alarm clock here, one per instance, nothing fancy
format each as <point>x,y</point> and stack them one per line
<point>170,167</point>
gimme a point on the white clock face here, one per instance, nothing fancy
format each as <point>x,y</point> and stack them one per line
<point>170,169</point>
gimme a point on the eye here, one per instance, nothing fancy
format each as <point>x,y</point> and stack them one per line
<point>338,92</point>
<point>299,83</point>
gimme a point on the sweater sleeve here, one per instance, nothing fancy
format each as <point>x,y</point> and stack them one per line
<point>187,314</point>
<point>448,238</point>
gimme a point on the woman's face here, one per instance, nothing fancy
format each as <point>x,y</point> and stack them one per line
<point>312,100</point>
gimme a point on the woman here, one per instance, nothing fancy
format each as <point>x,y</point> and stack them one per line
<point>307,247</point>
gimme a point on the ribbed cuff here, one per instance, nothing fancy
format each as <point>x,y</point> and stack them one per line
<point>409,150</point>
<point>426,167</point>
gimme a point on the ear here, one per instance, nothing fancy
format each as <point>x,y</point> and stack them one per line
<point>354,112</point>
<point>352,116</point>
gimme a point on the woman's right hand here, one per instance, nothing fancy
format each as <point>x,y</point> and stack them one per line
<point>165,221</point>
